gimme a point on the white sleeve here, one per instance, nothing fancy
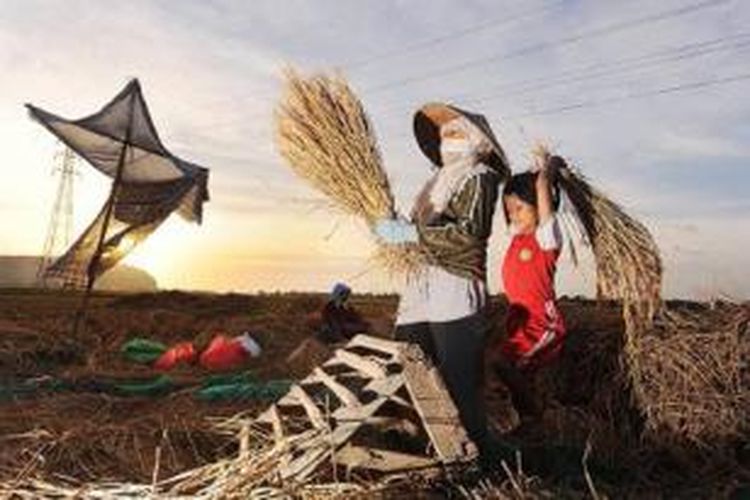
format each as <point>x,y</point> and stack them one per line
<point>548,234</point>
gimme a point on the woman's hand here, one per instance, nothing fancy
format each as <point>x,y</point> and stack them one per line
<point>395,231</point>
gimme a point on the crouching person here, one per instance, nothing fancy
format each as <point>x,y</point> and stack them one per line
<point>339,322</point>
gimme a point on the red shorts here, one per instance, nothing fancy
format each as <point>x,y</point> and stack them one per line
<point>532,338</point>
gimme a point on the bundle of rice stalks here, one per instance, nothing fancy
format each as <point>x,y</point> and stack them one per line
<point>627,259</point>
<point>683,371</point>
<point>690,384</point>
<point>628,265</point>
<point>324,134</point>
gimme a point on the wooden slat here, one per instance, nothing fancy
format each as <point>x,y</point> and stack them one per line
<point>265,417</point>
<point>383,387</point>
<point>278,434</point>
<point>427,396</point>
<point>435,406</point>
<point>278,428</point>
<point>380,460</point>
<point>289,399</point>
<point>401,401</point>
<point>346,396</point>
<point>244,439</point>
<point>312,410</point>
<point>302,467</point>
<point>367,366</point>
<point>348,421</point>
<point>401,424</point>
<point>376,344</point>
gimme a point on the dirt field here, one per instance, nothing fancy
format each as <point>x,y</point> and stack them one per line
<point>87,432</point>
<point>83,430</point>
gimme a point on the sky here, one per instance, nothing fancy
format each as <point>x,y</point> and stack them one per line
<point>648,99</point>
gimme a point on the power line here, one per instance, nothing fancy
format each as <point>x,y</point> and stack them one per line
<point>455,35</point>
<point>660,57</point>
<point>270,92</point>
<point>565,40</point>
<point>494,23</point>
<point>677,54</point>
<point>636,61</point>
<point>638,95</point>
<point>708,47</point>
<point>424,44</point>
<point>683,87</point>
<point>542,46</point>
<point>541,85</point>
<point>597,70</point>
<point>592,103</point>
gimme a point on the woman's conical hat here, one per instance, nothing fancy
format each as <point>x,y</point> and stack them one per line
<point>428,120</point>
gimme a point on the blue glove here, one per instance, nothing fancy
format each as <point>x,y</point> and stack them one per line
<point>396,231</point>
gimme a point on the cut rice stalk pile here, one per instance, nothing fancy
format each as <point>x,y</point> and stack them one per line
<point>683,369</point>
<point>324,134</point>
<point>628,266</point>
<point>690,384</point>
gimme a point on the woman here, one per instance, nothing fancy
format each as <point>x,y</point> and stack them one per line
<point>442,308</point>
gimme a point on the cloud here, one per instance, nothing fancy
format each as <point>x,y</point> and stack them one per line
<point>210,74</point>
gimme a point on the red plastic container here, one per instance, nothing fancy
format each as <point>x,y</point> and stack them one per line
<point>184,352</point>
<point>223,353</point>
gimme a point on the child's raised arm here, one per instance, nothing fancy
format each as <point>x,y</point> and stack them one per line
<point>543,192</point>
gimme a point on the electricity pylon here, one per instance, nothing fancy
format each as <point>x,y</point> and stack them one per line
<point>60,229</point>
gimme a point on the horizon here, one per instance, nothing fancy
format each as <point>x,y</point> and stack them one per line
<point>571,295</point>
<point>648,100</point>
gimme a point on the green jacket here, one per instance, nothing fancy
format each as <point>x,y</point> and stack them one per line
<point>456,240</point>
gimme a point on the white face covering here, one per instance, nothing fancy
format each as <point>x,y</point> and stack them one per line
<point>451,146</point>
<point>460,159</point>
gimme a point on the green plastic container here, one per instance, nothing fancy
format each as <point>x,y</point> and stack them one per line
<point>141,350</point>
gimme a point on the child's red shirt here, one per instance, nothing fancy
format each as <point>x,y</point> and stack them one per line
<point>534,325</point>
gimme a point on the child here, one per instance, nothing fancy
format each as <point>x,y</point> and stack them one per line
<point>535,327</point>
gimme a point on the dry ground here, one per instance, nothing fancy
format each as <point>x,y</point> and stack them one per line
<point>90,434</point>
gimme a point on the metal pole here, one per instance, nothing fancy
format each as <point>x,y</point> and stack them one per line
<point>94,262</point>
